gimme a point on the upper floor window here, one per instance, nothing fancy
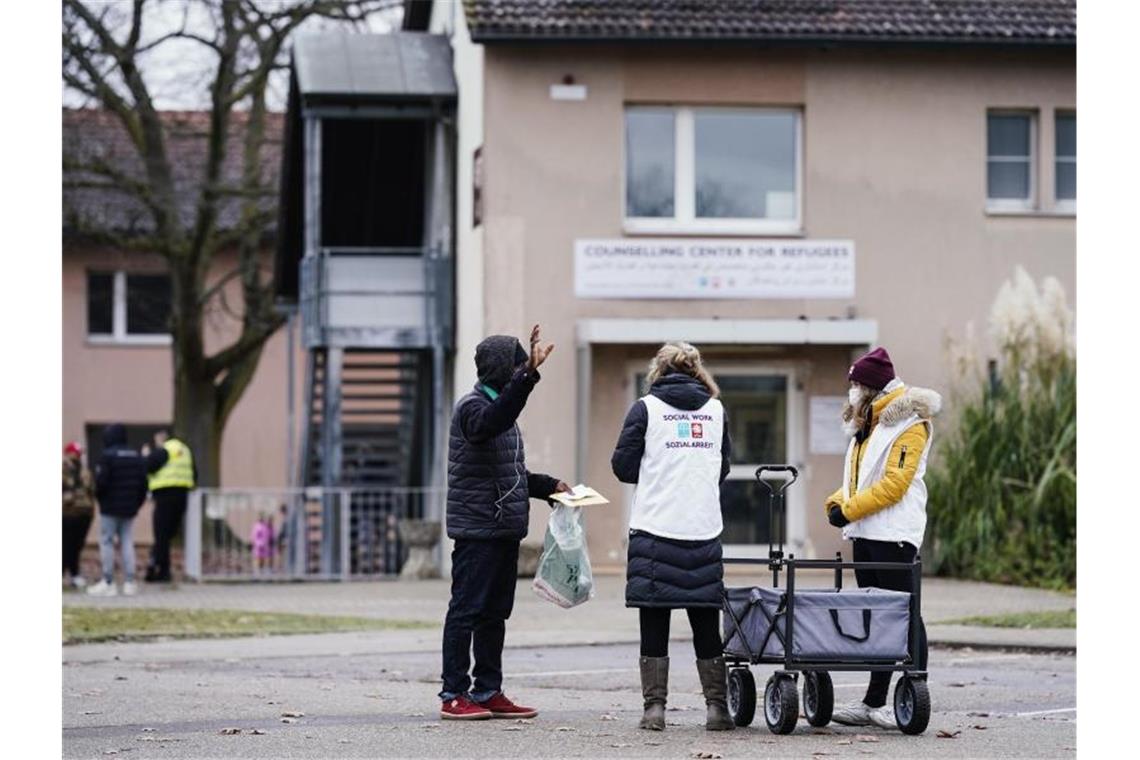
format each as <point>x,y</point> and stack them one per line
<point>1065,158</point>
<point>128,308</point>
<point>1010,151</point>
<point>712,170</point>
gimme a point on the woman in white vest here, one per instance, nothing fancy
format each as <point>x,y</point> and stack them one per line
<point>881,506</point>
<point>675,448</point>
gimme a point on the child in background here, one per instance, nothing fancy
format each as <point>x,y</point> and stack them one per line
<point>261,538</point>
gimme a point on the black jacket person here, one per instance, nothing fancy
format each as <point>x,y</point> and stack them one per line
<point>488,493</point>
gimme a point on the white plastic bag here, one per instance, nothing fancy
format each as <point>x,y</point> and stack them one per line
<point>564,576</point>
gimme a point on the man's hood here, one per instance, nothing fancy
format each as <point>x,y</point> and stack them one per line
<point>114,435</point>
<point>496,358</point>
<point>681,391</point>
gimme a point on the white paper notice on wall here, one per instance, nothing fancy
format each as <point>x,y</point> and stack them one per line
<point>826,425</point>
<point>714,268</point>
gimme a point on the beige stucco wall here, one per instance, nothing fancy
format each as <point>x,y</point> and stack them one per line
<point>894,159</point>
<point>133,384</point>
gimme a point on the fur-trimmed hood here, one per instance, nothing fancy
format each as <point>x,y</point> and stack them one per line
<point>919,401</point>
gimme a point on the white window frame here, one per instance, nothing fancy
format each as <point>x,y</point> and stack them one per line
<point>119,335</point>
<point>1062,205</point>
<point>684,220</point>
<point>1014,204</point>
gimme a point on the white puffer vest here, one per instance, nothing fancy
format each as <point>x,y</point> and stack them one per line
<point>678,485</point>
<point>906,520</point>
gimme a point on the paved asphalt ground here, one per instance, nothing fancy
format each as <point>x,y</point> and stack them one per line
<point>995,704</point>
<point>372,694</point>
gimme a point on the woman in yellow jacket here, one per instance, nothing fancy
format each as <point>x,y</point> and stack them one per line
<point>881,506</point>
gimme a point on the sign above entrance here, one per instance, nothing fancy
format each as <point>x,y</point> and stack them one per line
<point>714,268</point>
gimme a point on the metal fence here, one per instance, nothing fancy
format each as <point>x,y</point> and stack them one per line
<point>302,533</point>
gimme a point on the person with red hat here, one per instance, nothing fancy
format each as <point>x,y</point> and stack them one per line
<point>881,506</point>
<point>78,511</point>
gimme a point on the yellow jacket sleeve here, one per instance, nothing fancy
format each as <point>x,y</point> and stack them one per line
<point>836,499</point>
<point>902,463</point>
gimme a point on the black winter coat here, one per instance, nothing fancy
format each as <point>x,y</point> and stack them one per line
<point>488,485</point>
<point>120,475</point>
<point>667,572</point>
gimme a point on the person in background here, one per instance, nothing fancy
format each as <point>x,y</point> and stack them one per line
<point>173,475</point>
<point>78,511</point>
<point>120,487</point>
<point>488,508</point>
<point>261,543</point>
<point>675,447</point>
<point>881,506</point>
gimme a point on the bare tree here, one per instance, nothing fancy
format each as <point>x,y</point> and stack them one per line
<point>104,56</point>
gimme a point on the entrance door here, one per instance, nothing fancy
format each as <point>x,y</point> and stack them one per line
<point>760,405</point>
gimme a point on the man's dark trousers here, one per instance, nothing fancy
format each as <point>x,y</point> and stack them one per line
<point>169,511</point>
<point>483,578</point>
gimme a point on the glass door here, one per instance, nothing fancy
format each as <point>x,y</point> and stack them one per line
<point>757,409</point>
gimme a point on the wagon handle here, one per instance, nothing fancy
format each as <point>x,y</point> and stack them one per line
<point>777,468</point>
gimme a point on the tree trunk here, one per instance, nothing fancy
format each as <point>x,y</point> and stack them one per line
<point>197,423</point>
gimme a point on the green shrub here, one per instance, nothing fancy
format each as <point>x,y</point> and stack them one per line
<point>1003,491</point>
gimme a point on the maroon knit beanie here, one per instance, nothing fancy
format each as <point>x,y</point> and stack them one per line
<point>873,369</point>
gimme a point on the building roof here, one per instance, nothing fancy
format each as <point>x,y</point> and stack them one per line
<point>953,22</point>
<point>345,66</point>
<point>91,204</point>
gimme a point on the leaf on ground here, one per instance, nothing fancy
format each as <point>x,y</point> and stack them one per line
<point>978,714</point>
<point>292,714</point>
<point>149,730</point>
<point>512,728</point>
<point>288,720</point>
<point>229,731</point>
<point>820,753</point>
<point>706,755</point>
<point>653,744</point>
<point>120,678</point>
<point>257,732</point>
<point>866,738</point>
<point>159,739</point>
<point>979,727</point>
<point>429,725</point>
<point>620,745</point>
<point>844,742</point>
<point>960,684</point>
<point>564,728</point>
<point>92,712</point>
<point>607,716</point>
<point>414,715</point>
<point>947,734</point>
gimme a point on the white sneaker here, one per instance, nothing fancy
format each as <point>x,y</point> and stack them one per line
<point>79,582</point>
<point>130,588</point>
<point>853,714</point>
<point>883,717</point>
<point>102,588</point>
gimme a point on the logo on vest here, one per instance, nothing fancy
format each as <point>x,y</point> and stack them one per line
<point>683,429</point>
<point>698,430</point>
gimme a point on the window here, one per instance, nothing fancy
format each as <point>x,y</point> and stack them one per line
<point>1010,144</point>
<point>1065,159</point>
<point>128,308</point>
<point>712,170</point>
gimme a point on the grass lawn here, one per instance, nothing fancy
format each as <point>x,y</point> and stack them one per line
<point>1050,619</point>
<point>86,624</point>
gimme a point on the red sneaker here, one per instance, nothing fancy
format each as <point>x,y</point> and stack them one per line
<point>501,707</point>
<point>462,708</point>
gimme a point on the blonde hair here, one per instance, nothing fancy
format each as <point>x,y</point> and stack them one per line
<point>682,357</point>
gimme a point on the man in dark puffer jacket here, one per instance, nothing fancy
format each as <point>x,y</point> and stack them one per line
<point>488,509</point>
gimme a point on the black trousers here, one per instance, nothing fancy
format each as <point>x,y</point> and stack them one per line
<point>169,510</point>
<point>483,578</point>
<point>705,622</point>
<point>866,550</point>
<point>74,536</point>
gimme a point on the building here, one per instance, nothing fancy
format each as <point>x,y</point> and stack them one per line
<point>782,186</point>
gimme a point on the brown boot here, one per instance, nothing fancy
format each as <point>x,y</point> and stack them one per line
<point>714,683</point>
<point>655,689</point>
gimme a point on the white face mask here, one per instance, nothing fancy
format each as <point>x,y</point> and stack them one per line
<point>854,395</point>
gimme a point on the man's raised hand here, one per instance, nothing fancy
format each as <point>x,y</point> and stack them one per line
<point>538,352</point>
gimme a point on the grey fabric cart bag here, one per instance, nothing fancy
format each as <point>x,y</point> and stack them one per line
<point>851,624</point>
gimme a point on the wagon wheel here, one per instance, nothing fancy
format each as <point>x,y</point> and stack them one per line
<point>912,705</point>
<point>781,705</point>
<point>741,696</point>
<point>819,697</point>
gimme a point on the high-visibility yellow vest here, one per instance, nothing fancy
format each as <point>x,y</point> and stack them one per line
<point>178,472</point>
